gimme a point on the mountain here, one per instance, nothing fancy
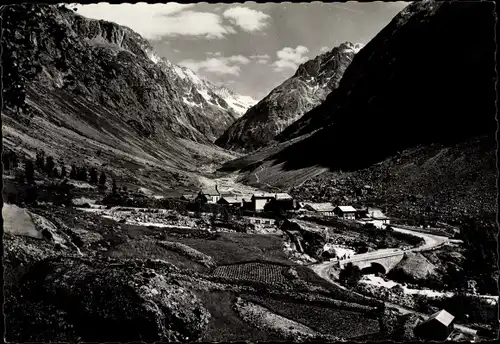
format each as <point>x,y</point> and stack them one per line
<point>285,104</point>
<point>215,95</point>
<point>96,92</point>
<point>426,80</point>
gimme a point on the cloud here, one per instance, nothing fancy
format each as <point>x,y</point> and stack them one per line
<point>290,57</point>
<point>154,21</point>
<point>260,57</point>
<point>210,53</point>
<point>217,65</point>
<point>239,59</point>
<point>324,49</point>
<point>247,19</point>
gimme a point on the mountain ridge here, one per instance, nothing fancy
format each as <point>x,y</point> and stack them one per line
<point>401,91</point>
<point>308,87</point>
<point>77,86</point>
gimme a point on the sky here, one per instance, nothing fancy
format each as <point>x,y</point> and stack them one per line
<point>248,47</point>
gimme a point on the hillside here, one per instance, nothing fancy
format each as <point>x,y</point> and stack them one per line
<point>401,92</point>
<point>285,104</point>
<point>96,92</point>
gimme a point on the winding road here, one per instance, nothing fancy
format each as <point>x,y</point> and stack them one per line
<point>324,269</point>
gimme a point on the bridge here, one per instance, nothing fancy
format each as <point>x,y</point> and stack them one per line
<point>381,261</point>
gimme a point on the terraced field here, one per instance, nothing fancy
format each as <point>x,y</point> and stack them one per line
<point>255,272</point>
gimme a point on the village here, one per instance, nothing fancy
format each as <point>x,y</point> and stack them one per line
<point>266,202</point>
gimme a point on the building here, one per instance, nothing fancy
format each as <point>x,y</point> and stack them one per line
<point>209,195</point>
<point>437,327</point>
<point>325,209</point>
<point>282,202</point>
<point>233,201</point>
<point>259,221</point>
<point>259,200</point>
<point>188,197</point>
<point>345,212</point>
<point>377,214</point>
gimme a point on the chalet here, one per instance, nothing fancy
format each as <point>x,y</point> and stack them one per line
<point>325,209</point>
<point>233,201</point>
<point>209,195</point>
<point>259,200</point>
<point>188,197</point>
<point>377,214</point>
<point>345,212</point>
<point>436,328</point>
<point>282,202</point>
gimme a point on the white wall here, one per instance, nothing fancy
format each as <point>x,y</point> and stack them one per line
<point>259,204</point>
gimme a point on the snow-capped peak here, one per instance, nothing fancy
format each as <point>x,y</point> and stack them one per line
<point>236,102</point>
<point>355,48</point>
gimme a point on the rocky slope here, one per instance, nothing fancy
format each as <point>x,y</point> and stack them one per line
<point>95,91</point>
<point>307,88</point>
<point>402,90</point>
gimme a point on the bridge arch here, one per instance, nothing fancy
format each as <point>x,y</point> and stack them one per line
<point>374,268</point>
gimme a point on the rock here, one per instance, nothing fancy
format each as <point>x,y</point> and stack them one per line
<point>99,301</point>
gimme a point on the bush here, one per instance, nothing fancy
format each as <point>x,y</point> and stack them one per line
<point>350,275</point>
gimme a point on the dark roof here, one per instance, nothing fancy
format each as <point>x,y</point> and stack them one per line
<point>231,200</point>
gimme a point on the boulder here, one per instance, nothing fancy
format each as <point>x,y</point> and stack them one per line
<point>77,299</point>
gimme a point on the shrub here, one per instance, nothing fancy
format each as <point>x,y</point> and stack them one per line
<point>350,275</point>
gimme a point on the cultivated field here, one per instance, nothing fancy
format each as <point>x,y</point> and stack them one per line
<point>257,272</point>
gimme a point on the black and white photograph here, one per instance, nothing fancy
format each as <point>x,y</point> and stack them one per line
<point>249,171</point>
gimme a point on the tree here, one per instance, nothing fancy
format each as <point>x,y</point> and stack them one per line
<point>29,172</point>
<point>62,194</point>
<point>82,174</point>
<point>114,189</point>
<point>63,171</point>
<point>73,174</point>
<point>102,179</point>
<point>49,166</point>
<point>6,161</point>
<point>350,275</point>
<point>93,176</point>
<point>40,161</point>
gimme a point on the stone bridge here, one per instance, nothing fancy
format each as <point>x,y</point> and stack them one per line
<point>374,262</point>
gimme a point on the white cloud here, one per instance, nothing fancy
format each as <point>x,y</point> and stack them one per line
<point>324,49</point>
<point>177,51</point>
<point>219,65</point>
<point>247,19</point>
<point>210,53</point>
<point>239,59</point>
<point>154,21</point>
<point>290,57</point>
<point>260,57</point>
